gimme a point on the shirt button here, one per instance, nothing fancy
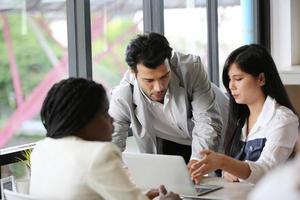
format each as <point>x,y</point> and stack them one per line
<point>251,148</point>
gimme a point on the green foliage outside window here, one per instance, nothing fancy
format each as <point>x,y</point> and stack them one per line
<point>32,63</point>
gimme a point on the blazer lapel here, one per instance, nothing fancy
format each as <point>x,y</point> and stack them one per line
<point>141,109</point>
<point>178,102</point>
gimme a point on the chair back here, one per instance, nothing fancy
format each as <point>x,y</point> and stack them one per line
<point>11,195</point>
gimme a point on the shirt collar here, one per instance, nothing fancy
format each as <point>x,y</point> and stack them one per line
<point>264,117</point>
<point>166,97</point>
<point>267,112</point>
<point>145,96</point>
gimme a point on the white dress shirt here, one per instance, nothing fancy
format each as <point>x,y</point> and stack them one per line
<point>279,126</point>
<point>164,123</point>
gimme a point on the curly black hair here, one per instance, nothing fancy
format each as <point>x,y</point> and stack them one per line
<point>70,104</point>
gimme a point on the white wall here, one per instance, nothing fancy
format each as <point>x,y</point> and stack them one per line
<point>285,39</point>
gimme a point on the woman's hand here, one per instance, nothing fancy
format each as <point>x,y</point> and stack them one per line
<point>210,162</point>
<point>191,162</point>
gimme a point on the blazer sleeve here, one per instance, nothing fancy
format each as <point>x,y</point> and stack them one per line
<point>107,177</point>
<point>206,113</point>
<point>119,111</point>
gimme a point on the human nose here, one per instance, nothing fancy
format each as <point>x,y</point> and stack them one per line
<point>111,119</point>
<point>231,85</point>
<point>158,86</point>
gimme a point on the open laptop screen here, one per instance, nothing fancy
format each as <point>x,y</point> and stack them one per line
<point>151,170</point>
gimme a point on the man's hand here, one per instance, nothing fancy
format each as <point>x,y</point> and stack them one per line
<point>191,163</point>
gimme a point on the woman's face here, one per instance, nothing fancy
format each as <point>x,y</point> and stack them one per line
<point>244,87</point>
<point>98,129</point>
<point>102,127</point>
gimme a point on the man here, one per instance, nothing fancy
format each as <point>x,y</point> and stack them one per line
<point>165,98</point>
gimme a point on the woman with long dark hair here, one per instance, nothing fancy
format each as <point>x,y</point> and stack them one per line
<point>262,125</point>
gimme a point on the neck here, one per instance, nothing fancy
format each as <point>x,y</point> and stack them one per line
<point>256,107</point>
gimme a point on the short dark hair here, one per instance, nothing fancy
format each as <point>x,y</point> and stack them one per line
<point>70,105</point>
<point>253,59</point>
<point>150,49</point>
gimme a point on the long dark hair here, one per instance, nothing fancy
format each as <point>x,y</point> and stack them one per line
<point>252,59</point>
<point>70,105</point>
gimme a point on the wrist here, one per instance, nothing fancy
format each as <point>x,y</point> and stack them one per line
<point>223,161</point>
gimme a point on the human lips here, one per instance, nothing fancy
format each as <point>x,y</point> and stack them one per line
<point>159,95</point>
<point>235,95</point>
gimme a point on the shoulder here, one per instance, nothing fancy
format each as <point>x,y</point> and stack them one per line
<point>71,147</point>
<point>121,102</point>
<point>284,115</point>
<point>39,146</point>
<point>185,62</point>
<point>124,89</point>
<point>180,58</point>
<point>121,95</point>
<point>104,154</point>
<point>188,66</point>
<point>121,91</point>
<point>283,126</point>
<point>106,149</point>
<point>75,145</point>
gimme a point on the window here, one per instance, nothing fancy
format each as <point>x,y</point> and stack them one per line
<point>33,57</point>
<point>113,25</point>
<point>235,28</point>
<point>186,27</point>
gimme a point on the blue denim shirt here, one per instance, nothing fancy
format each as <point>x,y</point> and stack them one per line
<point>251,149</point>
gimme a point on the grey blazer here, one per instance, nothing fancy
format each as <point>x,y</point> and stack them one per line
<point>193,105</point>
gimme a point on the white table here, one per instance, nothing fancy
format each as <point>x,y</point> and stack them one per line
<point>230,190</point>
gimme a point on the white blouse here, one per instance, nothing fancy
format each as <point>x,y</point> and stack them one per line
<point>279,126</point>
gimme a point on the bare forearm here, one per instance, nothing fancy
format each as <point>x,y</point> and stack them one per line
<point>212,161</point>
<point>235,167</point>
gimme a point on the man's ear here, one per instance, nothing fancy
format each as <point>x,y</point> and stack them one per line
<point>133,72</point>
<point>262,79</point>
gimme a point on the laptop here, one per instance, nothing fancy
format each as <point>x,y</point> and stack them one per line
<point>151,170</point>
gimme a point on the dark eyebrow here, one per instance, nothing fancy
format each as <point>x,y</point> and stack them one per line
<point>237,75</point>
<point>148,79</point>
<point>165,74</point>
<point>151,79</point>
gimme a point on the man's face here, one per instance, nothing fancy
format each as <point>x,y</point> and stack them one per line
<point>154,82</point>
